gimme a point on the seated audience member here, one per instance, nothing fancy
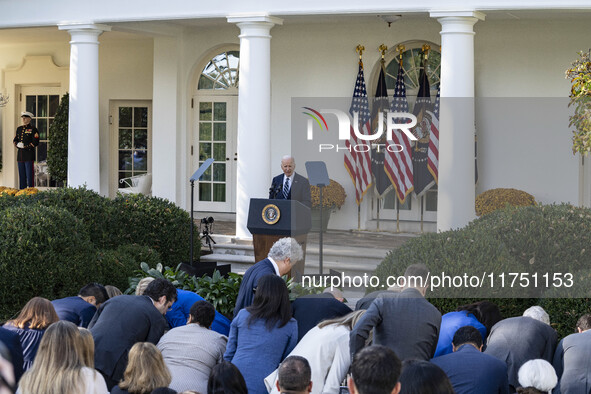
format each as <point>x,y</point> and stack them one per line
<point>87,347</point>
<point>263,334</point>
<point>178,314</point>
<point>572,360</point>
<point>519,339</point>
<point>423,377</point>
<point>7,378</point>
<point>405,322</point>
<point>81,308</point>
<point>226,378</point>
<point>11,340</point>
<point>326,347</point>
<point>124,320</point>
<point>536,377</point>
<point>145,371</point>
<point>59,367</point>
<point>469,370</point>
<point>376,370</point>
<point>30,325</point>
<point>283,255</point>
<point>311,309</point>
<point>482,315</point>
<point>192,350</point>
<point>294,376</point>
<point>113,291</point>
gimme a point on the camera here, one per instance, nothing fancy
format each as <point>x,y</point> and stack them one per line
<point>206,230</point>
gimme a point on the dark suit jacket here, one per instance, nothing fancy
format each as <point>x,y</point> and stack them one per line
<point>12,342</point>
<point>117,325</point>
<point>300,189</point>
<point>519,339</point>
<point>74,309</point>
<point>249,283</point>
<point>311,309</point>
<point>471,371</point>
<point>572,362</point>
<point>405,322</point>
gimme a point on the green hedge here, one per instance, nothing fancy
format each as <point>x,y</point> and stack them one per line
<point>54,242</point>
<point>540,239</point>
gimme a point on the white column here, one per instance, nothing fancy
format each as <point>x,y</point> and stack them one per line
<point>456,188</point>
<point>83,127</point>
<point>254,114</point>
<point>166,130</point>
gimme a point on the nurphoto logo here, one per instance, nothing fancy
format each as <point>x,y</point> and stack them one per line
<point>395,123</point>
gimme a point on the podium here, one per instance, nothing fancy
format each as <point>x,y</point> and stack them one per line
<point>270,220</point>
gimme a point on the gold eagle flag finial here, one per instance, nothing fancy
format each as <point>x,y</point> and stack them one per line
<point>400,49</point>
<point>359,49</point>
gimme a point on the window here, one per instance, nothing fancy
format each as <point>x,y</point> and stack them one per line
<point>132,134</point>
<point>221,73</point>
<point>411,65</point>
<point>44,107</point>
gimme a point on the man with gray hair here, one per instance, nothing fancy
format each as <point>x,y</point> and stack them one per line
<point>289,185</point>
<point>405,322</point>
<point>283,255</point>
<point>519,339</point>
<point>294,376</point>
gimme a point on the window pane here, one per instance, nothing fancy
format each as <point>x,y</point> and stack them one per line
<point>42,151</point>
<point>219,152</point>
<point>125,160</point>
<point>125,139</point>
<point>140,139</point>
<point>407,206</point>
<point>207,175</point>
<point>390,200</point>
<point>125,116</point>
<point>42,128</point>
<point>204,191</point>
<point>54,102</point>
<point>431,201</point>
<point>219,172</point>
<point>219,111</point>
<point>204,131</point>
<point>42,106</point>
<point>219,192</point>
<point>204,111</point>
<point>140,117</point>
<point>205,83</point>
<point>31,105</point>
<point>219,132</point>
<point>204,151</point>
<point>140,160</point>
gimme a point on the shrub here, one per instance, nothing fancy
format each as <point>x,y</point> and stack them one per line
<point>156,222</point>
<point>117,265</point>
<point>333,195</point>
<point>531,240</point>
<point>43,252</point>
<point>494,199</point>
<point>57,153</point>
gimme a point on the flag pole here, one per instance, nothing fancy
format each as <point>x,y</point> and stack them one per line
<point>378,212</point>
<point>358,217</point>
<point>398,216</point>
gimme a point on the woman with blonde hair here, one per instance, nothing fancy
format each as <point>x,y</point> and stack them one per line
<point>87,347</point>
<point>59,368</point>
<point>326,347</point>
<point>30,325</point>
<point>145,371</point>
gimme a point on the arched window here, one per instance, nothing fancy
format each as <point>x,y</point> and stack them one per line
<point>221,72</point>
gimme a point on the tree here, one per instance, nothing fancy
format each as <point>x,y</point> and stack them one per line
<point>580,98</point>
<point>57,151</point>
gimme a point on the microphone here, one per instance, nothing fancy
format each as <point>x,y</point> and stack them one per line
<point>274,190</point>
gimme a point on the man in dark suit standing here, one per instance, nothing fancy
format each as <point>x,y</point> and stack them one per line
<point>282,256</point>
<point>405,322</point>
<point>522,338</point>
<point>124,320</point>
<point>469,370</point>
<point>572,362</point>
<point>290,185</point>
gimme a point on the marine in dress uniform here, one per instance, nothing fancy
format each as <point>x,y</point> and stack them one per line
<point>26,140</point>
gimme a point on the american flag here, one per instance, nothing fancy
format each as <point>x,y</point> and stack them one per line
<point>358,164</point>
<point>398,165</point>
<point>433,153</point>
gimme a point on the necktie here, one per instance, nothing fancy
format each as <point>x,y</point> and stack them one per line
<point>286,188</point>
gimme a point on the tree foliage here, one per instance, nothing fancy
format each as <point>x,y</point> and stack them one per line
<point>57,150</point>
<point>580,97</point>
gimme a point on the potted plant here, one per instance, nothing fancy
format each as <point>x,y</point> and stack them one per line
<point>333,198</point>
